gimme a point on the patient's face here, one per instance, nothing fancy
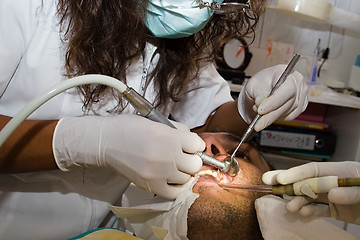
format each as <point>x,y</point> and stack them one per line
<point>226,213</point>
<point>220,146</point>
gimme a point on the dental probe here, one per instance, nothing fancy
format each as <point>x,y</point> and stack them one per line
<point>281,80</point>
<point>316,185</point>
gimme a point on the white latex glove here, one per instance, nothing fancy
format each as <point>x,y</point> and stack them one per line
<point>148,153</point>
<point>286,103</point>
<point>343,203</point>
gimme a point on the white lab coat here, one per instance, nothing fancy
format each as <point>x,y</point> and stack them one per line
<point>55,204</point>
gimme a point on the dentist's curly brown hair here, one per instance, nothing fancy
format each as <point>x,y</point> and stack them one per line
<point>106,36</point>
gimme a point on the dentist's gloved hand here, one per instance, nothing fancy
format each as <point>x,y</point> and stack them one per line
<point>286,103</point>
<point>150,154</point>
<point>342,203</point>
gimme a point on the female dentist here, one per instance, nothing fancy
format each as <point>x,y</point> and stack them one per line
<point>78,153</point>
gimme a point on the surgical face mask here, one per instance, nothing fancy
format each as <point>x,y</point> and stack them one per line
<point>177,18</point>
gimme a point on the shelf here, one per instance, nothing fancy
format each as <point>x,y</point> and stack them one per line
<point>321,94</point>
<point>235,87</point>
<point>344,101</point>
<point>282,162</point>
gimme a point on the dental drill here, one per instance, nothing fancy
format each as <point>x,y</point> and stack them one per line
<point>143,106</point>
<point>147,110</point>
<point>227,166</point>
<point>307,187</point>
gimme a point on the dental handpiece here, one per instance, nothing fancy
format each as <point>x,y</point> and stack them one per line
<point>136,100</point>
<point>146,109</point>
<point>227,166</point>
<point>281,80</point>
<point>307,187</point>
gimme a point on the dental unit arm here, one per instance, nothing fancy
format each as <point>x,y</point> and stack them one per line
<point>307,187</point>
<point>143,106</point>
<point>147,110</point>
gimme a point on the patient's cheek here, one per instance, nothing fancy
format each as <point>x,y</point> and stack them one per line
<point>248,174</point>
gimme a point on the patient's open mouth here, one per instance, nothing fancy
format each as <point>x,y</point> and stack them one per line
<point>215,175</point>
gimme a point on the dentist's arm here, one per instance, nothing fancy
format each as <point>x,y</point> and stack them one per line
<point>29,147</point>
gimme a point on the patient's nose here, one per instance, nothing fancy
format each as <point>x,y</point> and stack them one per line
<point>214,148</point>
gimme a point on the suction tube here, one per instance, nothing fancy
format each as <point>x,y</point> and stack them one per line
<point>307,187</point>
<point>63,86</point>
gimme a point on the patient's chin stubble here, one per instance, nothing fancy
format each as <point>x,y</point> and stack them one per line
<point>212,219</point>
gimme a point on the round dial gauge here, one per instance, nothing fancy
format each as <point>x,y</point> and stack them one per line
<point>234,53</point>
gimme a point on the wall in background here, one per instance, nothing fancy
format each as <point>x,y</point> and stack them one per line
<point>302,37</point>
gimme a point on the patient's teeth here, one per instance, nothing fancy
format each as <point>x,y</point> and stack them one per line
<point>216,174</point>
<point>223,180</point>
<point>205,172</point>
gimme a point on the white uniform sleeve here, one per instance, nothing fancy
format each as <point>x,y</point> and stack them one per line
<point>13,35</point>
<point>202,98</point>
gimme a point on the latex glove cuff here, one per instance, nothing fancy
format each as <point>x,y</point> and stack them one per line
<point>246,107</point>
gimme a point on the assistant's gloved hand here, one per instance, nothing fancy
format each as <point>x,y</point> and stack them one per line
<point>148,153</point>
<point>286,103</point>
<point>343,203</point>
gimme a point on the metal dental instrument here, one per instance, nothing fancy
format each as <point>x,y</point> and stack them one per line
<point>316,185</point>
<point>281,80</point>
<point>227,166</point>
<point>146,109</point>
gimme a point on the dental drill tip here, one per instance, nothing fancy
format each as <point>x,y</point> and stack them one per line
<point>233,167</point>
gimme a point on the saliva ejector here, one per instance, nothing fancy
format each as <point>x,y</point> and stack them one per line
<point>310,187</point>
<point>143,106</point>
